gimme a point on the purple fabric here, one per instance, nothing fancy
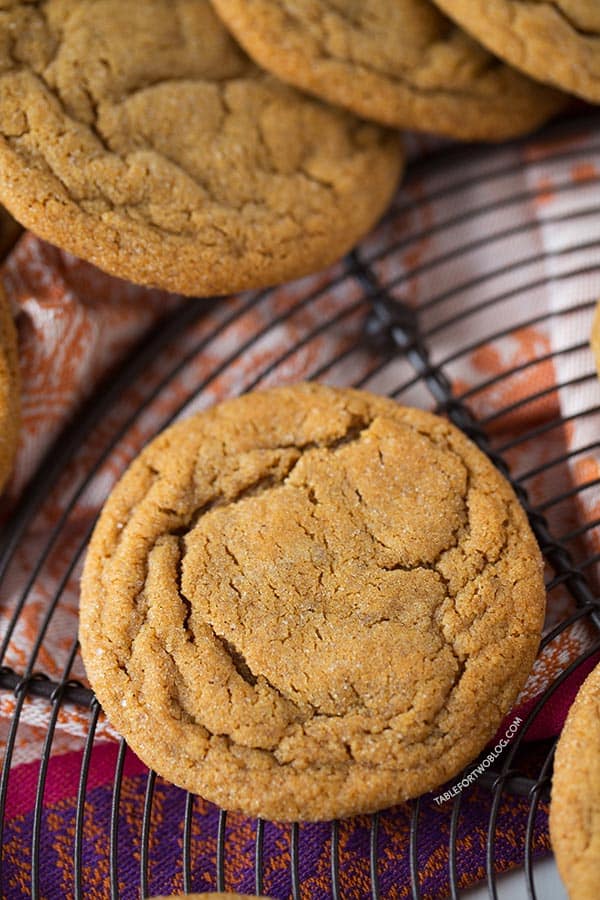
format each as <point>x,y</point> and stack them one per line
<point>165,849</point>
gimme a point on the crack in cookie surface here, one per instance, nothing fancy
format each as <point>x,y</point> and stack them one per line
<point>554,41</point>
<point>398,62</point>
<point>124,127</point>
<point>333,598</point>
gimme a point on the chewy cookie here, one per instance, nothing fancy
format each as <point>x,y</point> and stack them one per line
<point>575,807</point>
<point>595,337</point>
<point>139,137</point>
<point>398,62</point>
<point>310,602</point>
<point>10,401</point>
<point>558,42</point>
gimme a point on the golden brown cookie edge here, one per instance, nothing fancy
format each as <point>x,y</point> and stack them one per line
<point>219,786</point>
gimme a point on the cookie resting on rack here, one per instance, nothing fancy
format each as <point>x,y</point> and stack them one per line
<point>398,62</point>
<point>310,602</point>
<point>557,43</point>
<point>595,337</point>
<point>10,398</point>
<point>575,806</point>
<point>140,137</point>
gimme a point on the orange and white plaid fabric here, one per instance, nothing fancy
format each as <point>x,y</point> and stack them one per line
<point>499,250</point>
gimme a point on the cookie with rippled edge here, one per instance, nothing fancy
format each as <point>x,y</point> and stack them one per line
<point>557,43</point>
<point>398,62</point>
<point>10,399</point>
<point>575,804</point>
<point>595,337</point>
<point>140,137</point>
<point>310,602</point>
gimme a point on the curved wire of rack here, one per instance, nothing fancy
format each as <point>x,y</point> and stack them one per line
<point>374,329</point>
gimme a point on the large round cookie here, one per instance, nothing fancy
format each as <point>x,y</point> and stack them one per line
<point>575,807</point>
<point>399,62</point>
<point>558,42</point>
<point>10,401</point>
<point>139,136</point>
<point>308,603</point>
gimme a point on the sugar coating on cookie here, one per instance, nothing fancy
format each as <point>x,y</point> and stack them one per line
<point>398,62</point>
<point>10,397</point>
<point>310,602</point>
<point>575,806</point>
<point>140,137</point>
<point>557,43</point>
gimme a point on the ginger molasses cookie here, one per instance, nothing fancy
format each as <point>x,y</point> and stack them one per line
<point>575,806</point>
<point>557,43</point>
<point>595,337</point>
<point>141,138</point>
<point>10,400</point>
<point>398,62</point>
<point>310,602</point>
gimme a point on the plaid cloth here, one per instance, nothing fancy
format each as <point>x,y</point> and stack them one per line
<point>499,250</point>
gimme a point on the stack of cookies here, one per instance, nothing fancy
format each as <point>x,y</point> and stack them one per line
<point>143,138</point>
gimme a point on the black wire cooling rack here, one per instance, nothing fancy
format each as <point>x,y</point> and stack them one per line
<point>402,331</point>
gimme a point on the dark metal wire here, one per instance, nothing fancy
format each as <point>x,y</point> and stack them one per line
<point>541,785</point>
<point>258,856</point>
<point>187,843</point>
<point>453,843</point>
<point>221,833</point>
<point>335,860</point>
<point>114,822</point>
<point>374,856</point>
<point>295,860</point>
<point>57,697</point>
<point>415,882</point>
<point>81,794</point>
<point>393,330</point>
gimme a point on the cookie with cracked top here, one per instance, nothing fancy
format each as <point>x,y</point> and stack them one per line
<point>10,397</point>
<point>140,137</point>
<point>575,805</point>
<point>557,43</point>
<point>398,62</point>
<point>310,602</point>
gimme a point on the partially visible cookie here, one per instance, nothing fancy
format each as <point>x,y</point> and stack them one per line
<point>141,138</point>
<point>10,400</point>
<point>211,897</point>
<point>595,337</point>
<point>9,233</point>
<point>557,43</point>
<point>575,806</point>
<point>310,602</point>
<point>398,62</point>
